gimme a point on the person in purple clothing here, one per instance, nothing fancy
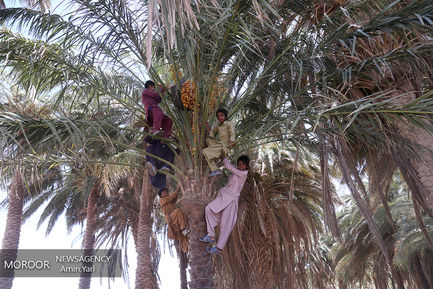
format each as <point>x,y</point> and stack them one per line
<point>154,166</point>
<point>223,210</point>
<point>154,115</point>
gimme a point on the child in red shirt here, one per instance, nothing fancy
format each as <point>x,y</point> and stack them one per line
<point>154,115</point>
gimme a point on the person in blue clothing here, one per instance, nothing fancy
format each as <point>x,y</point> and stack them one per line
<point>155,166</point>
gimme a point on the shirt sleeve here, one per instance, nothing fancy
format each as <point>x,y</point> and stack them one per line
<point>170,198</point>
<point>231,128</point>
<point>152,94</point>
<point>213,132</point>
<point>173,196</point>
<point>233,168</point>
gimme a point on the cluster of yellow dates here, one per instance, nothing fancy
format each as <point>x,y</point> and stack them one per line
<point>188,94</point>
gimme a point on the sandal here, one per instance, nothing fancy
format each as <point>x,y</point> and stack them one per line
<point>150,169</point>
<point>215,173</point>
<point>207,239</point>
<point>213,251</point>
<point>165,169</point>
<point>185,231</point>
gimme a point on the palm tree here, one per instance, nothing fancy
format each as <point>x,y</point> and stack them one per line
<point>13,226</point>
<point>43,5</point>
<point>360,250</point>
<point>412,248</point>
<point>358,98</point>
<point>276,66</point>
<point>24,179</point>
<point>408,246</point>
<point>145,274</point>
<point>25,183</point>
<point>87,75</point>
<point>400,80</point>
<point>394,85</point>
<point>81,189</point>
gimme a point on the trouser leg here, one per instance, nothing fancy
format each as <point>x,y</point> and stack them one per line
<point>212,154</point>
<point>212,219</point>
<point>177,221</point>
<point>157,117</point>
<point>152,149</point>
<point>167,125</point>
<point>227,222</point>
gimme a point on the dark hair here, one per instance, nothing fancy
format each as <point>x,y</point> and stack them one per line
<point>223,110</point>
<point>161,190</point>
<point>149,83</point>
<point>245,159</point>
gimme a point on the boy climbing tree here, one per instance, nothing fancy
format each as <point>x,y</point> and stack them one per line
<point>225,130</point>
<point>154,115</point>
<point>176,221</point>
<point>223,210</point>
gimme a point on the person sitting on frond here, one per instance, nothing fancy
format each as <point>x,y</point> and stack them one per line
<point>225,131</point>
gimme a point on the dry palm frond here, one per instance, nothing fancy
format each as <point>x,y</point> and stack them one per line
<point>171,14</point>
<point>327,200</point>
<point>413,253</point>
<point>324,8</point>
<point>113,171</point>
<point>411,265</point>
<point>274,243</point>
<point>348,169</point>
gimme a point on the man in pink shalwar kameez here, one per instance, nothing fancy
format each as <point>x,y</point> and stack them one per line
<point>224,209</point>
<point>154,115</point>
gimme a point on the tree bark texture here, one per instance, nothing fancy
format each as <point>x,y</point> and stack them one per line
<point>89,235</point>
<point>200,262</point>
<point>12,232</point>
<point>183,264</point>
<point>423,163</point>
<point>145,277</point>
<point>420,277</point>
<point>397,279</point>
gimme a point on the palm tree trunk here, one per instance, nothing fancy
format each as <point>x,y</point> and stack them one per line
<point>183,264</point>
<point>420,277</point>
<point>89,235</point>
<point>2,4</point>
<point>136,189</point>
<point>145,274</point>
<point>423,163</point>
<point>11,236</point>
<point>134,230</point>
<point>200,262</point>
<point>397,279</point>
